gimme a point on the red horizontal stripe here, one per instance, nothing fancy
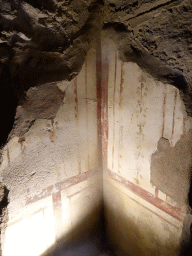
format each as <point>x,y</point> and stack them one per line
<point>62,185</point>
<point>174,211</point>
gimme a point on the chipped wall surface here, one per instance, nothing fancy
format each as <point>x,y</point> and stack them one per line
<point>53,172</point>
<point>171,169</point>
<point>142,110</point>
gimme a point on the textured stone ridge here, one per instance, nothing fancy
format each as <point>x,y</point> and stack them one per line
<point>44,41</point>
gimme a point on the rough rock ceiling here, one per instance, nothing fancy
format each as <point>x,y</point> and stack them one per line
<point>47,40</point>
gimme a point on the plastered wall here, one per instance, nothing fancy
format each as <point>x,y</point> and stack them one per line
<point>141,219</point>
<point>54,175</point>
<point>112,111</point>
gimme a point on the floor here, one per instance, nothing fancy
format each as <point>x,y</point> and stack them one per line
<point>94,245</point>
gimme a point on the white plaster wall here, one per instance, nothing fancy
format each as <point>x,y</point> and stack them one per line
<point>54,175</point>
<point>138,116</point>
<point>140,219</point>
<point>32,232</point>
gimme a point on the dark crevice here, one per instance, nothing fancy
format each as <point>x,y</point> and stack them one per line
<point>117,26</point>
<point>190,195</point>
<point>8,105</point>
<point>178,80</point>
<point>112,5</point>
<point>186,237</point>
<point>41,4</point>
<point>126,6</point>
<point>101,2</point>
<point>153,9</point>
<point>4,201</point>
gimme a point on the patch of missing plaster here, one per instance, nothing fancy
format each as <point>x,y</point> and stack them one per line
<point>163,145</point>
<point>171,168</point>
<point>42,102</point>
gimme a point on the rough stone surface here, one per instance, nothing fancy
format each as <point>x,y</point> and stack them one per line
<point>171,169</point>
<point>44,41</point>
<point>163,145</point>
<point>42,102</point>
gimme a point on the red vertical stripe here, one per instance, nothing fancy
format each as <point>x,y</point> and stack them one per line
<point>87,117</point>
<point>184,125</point>
<point>173,123</point>
<point>102,69</point>
<point>120,105</point>
<point>156,192</point>
<point>104,107</point>
<point>164,104</point>
<point>76,98</point>
<point>99,96</point>
<point>8,156</point>
<point>77,118</point>
<point>114,92</point>
<point>121,84</point>
<point>120,147</point>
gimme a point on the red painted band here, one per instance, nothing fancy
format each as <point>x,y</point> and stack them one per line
<point>175,212</point>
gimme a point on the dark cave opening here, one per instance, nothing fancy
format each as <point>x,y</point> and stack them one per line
<point>190,195</point>
<point>8,105</point>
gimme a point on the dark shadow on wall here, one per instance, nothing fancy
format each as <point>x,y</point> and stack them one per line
<point>86,239</point>
<point>190,195</point>
<point>8,105</point>
<point>128,235</point>
<point>93,245</point>
<point>186,238</point>
<point>4,192</point>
